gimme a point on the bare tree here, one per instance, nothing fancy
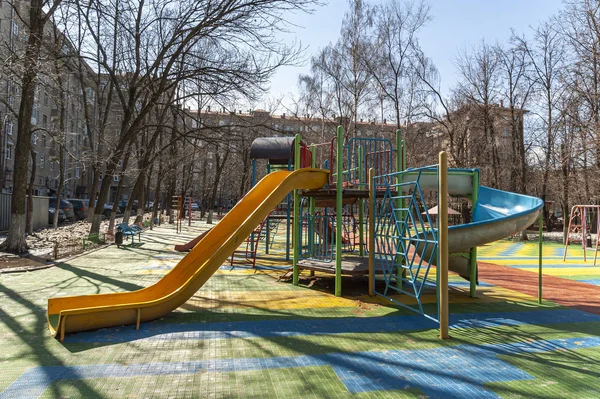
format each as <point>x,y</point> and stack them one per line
<point>339,83</point>
<point>40,12</point>
<point>581,29</point>
<point>156,51</point>
<point>448,114</point>
<point>480,86</point>
<point>517,89</point>
<point>396,49</point>
<point>546,53</point>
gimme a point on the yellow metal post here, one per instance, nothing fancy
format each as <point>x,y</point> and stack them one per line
<point>372,200</point>
<point>443,243</point>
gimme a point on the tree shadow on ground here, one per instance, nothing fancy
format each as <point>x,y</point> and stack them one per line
<point>38,342</point>
<point>89,275</point>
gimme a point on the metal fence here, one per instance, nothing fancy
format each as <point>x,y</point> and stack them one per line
<point>39,216</point>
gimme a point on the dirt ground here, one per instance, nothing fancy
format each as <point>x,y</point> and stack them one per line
<point>47,244</point>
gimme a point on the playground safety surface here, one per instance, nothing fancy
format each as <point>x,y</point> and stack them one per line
<point>245,334</point>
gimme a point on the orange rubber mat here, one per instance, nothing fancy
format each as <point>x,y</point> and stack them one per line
<point>564,292</point>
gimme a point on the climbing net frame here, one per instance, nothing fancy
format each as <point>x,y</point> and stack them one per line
<point>406,241</point>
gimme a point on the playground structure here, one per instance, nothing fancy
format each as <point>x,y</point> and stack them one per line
<point>371,190</point>
<point>279,153</point>
<point>393,218</point>
<point>580,221</point>
<point>81,313</point>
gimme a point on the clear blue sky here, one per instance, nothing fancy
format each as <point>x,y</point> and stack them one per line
<point>456,25</point>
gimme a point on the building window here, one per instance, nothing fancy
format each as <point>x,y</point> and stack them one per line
<point>89,92</point>
<point>115,178</point>
<point>9,127</point>
<point>9,152</point>
<point>44,140</point>
<point>34,115</point>
<point>45,99</point>
<point>15,28</point>
<point>45,120</point>
<point>52,165</point>
<point>34,138</point>
<point>42,162</point>
<point>77,172</point>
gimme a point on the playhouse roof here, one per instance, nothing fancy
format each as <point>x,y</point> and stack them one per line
<point>434,211</point>
<point>275,149</point>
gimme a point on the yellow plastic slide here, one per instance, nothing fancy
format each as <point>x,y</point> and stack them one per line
<point>89,312</point>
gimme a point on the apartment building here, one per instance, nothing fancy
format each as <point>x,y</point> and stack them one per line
<point>58,119</point>
<point>314,130</point>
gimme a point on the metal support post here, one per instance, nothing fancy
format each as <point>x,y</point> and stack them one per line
<point>400,166</point>
<point>540,247</point>
<point>473,251</point>
<point>297,223</point>
<point>443,243</point>
<point>339,158</point>
<point>311,211</point>
<point>372,201</point>
<point>361,216</point>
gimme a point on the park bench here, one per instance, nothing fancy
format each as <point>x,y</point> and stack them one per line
<point>130,231</point>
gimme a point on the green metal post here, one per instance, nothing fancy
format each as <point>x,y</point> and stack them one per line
<point>297,223</point>
<point>311,211</point>
<point>268,232</point>
<point>372,201</point>
<point>339,159</point>
<point>473,252</point>
<point>361,214</point>
<point>400,166</point>
<point>540,222</point>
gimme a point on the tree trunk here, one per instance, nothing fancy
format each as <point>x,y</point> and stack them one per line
<point>29,226</point>
<point>159,176</point>
<point>565,193</point>
<point>141,198</point>
<point>95,178</point>
<point>105,186</point>
<point>170,194</point>
<point>113,214</point>
<point>218,172</point>
<point>15,242</point>
<point>204,206</point>
<point>61,182</point>
<point>245,171</point>
<point>550,144</point>
<point>134,194</point>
